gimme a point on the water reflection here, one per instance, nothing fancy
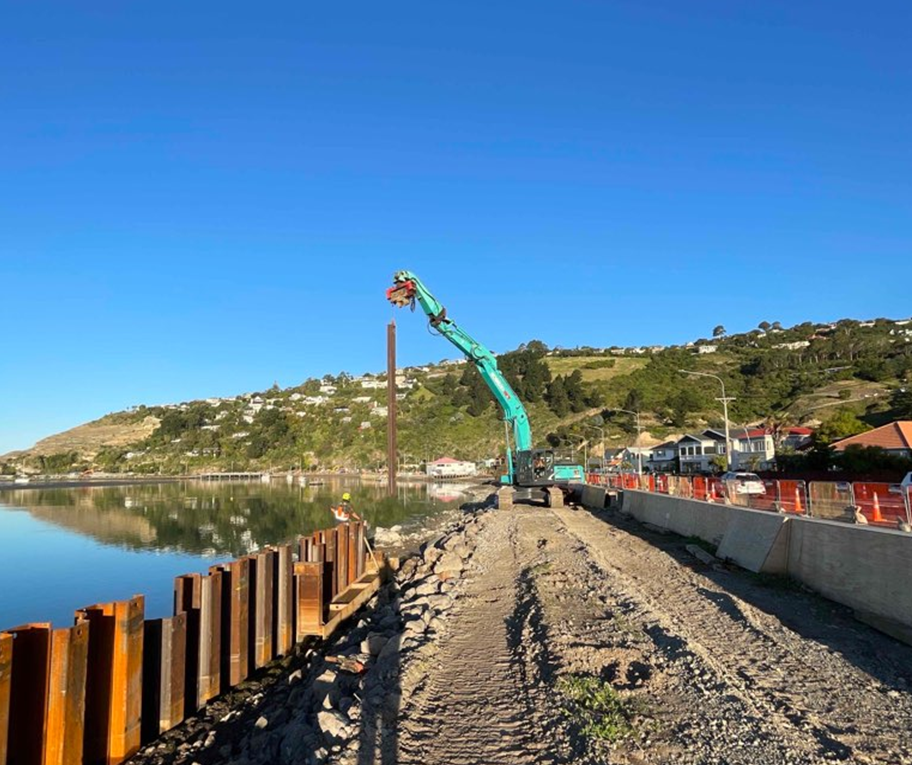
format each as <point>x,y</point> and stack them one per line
<point>227,518</point>
<point>69,547</point>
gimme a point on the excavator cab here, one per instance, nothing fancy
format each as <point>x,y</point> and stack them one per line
<point>534,467</point>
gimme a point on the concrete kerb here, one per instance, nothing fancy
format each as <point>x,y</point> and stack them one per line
<point>860,567</point>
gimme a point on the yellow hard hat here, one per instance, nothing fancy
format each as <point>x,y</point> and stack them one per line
<point>346,496</point>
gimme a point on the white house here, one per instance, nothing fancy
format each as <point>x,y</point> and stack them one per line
<point>752,448</point>
<point>696,451</point>
<point>447,467</point>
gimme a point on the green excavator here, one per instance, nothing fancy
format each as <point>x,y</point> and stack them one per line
<point>531,473</point>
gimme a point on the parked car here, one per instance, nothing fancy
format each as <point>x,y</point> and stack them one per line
<point>744,483</point>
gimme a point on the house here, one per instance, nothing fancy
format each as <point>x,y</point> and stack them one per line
<point>697,451</point>
<point>796,346</point>
<point>662,457</point>
<point>373,384</point>
<point>752,448</point>
<point>328,390</point>
<point>707,348</point>
<point>797,438</point>
<point>447,467</point>
<point>894,438</point>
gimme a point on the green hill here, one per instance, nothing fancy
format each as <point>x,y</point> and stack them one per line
<point>799,375</point>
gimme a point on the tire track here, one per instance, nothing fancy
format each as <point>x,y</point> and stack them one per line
<point>820,702</point>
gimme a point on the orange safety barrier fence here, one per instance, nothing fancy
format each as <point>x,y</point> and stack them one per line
<point>882,504</point>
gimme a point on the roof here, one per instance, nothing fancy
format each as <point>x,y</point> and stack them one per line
<point>894,435</point>
<point>800,432</point>
<point>446,461</point>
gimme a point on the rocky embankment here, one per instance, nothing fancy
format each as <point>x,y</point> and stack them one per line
<point>326,701</point>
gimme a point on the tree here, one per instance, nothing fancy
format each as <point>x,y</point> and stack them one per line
<point>901,400</point>
<point>765,326</point>
<point>842,424</point>
<point>719,331</point>
<point>557,397</point>
<point>777,325</point>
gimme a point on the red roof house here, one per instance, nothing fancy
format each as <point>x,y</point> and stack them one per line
<point>895,437</point>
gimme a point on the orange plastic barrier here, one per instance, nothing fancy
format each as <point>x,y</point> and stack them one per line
<point>882,504</point>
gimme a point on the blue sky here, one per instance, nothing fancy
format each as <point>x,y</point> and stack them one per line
<point>203,198</point>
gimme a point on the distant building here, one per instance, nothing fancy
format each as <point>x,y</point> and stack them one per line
<point>893,438</point>
<point>447,467</point>
<point>707,348</point>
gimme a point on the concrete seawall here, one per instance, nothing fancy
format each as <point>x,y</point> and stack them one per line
<point>863,568</point>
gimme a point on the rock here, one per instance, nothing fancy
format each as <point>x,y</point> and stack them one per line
<point>449,564</point>
<point>261,723</point>
<point>432,555</point>
<point>463,550</point>
<point>325,685</point>
<point>336,726</point>
<point>429,586</point>
<point>373,644</point>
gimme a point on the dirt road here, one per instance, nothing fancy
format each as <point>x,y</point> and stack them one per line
<point>694,664</point>
<point>538,636</point>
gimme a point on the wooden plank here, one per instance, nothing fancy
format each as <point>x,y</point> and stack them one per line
<point>28,693</point>
<point>6,671</point>
<point>282,600</point>
<point>345,611</point>
<point>66,695</point>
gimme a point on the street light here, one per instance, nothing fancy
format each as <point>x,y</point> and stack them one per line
<point>724,401</point>
<point>602,436</point>
<point>639,432</point>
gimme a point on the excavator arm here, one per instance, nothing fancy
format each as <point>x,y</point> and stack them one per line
<point>408,289</point>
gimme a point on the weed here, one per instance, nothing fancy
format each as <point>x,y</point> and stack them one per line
<point>598,708</point>
<point>540,569</point>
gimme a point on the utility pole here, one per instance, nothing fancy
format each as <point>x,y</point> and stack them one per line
<point>725,399</point>
<point>391,463</point>
<point>639,432</point>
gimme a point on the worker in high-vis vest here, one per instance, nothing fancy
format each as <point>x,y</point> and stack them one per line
<point>344,512</point>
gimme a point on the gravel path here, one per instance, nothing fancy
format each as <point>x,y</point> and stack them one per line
<point>477,652</point>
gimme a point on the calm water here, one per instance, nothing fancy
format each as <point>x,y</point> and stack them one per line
<point>66,548</point>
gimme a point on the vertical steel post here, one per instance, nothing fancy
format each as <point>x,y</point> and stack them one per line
<point>164,674</point>
<point>283,603</point>
<point>309,578</point>
<point>260,638</point>
<point>64,725</point>
<point>29,693</point>
<point>391,449</point>
<point>6,670</point>
<point>113,680</point>
<point>235,621</point>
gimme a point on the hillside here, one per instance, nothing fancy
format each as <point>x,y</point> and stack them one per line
<point>799,375</point>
